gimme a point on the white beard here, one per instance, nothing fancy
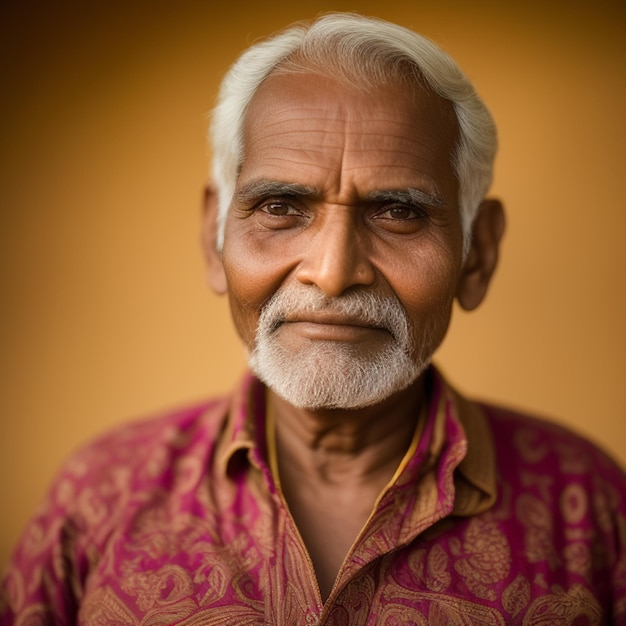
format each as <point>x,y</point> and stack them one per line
<point>331,374</point>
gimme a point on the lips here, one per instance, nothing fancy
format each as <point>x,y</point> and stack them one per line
<point>329,318</point>
<point>331,327</point>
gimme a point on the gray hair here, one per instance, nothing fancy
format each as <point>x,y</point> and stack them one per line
<point>366,52</point>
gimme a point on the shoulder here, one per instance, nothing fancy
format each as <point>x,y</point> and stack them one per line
<point>96,494</point>
<point>547,468</point>
<point>115,473</point>
<point>534,440</point>
<point>145,449</point>
<point>143,441</point>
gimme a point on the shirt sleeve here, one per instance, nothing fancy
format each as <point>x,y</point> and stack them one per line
<point>66,538</point>
<point>42,583</point>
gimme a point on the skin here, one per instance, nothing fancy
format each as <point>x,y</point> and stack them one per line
<point>342,189</point>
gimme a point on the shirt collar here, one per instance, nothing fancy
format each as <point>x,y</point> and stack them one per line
<point>243,438</point>
<point>475,478</point>
<point>450,416</point>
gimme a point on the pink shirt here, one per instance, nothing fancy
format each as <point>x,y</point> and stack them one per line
<point>494,518</point>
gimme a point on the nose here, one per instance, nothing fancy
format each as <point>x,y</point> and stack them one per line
<point>337,256</point>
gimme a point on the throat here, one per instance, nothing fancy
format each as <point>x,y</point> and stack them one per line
<point>329,520</point>
<point>332,490</point>
<point>333,467</point>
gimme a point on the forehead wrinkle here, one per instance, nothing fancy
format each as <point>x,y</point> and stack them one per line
<point>292,132</point>
<point>401,176</point>
<point>401,139</point>
<point>322,150</point>
<point>335,183</point>
<point>342,167</point>
<point>289,118</point>
<point>317,142</point>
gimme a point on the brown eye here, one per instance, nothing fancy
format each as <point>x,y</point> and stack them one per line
<point>279,209</point>
<point>401,213</point>
<point>401,219</point>
<point>279,215</point>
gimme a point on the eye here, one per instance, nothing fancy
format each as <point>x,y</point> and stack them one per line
<point>401,212</point>
<point>279,209</point>
<point>279,214</point>
<point>400,218</point>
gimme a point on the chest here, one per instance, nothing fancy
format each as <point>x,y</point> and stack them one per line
<point>329,525</point>
<point>254,569</point>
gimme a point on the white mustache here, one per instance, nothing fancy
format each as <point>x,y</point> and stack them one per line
<point>361,306</point>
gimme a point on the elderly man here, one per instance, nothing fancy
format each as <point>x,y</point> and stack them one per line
<point>345,481</point>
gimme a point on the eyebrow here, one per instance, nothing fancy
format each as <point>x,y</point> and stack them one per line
<point>407,196</point>
<point>264,188</point>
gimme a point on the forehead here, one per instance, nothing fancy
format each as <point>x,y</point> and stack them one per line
<point>312,129</point>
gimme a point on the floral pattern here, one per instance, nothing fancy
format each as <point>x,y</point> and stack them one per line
<point>497,518</point>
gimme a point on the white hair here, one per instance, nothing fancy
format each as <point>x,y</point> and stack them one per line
<point>366,52</point>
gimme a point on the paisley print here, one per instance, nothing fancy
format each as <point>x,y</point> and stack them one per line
<point>496,518</point>
<point>516,596</point>
<point>485,559</point>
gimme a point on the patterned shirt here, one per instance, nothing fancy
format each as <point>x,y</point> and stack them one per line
<point>492,518</point>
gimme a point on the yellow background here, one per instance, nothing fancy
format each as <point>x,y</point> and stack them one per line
<point>105,312</point>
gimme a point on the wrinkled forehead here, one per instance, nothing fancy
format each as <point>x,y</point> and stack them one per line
<point>401,132</point>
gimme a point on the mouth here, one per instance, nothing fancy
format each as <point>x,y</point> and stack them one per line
<point>331,327</point>
<point>329,318</point>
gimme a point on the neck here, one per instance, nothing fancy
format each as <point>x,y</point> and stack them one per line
<point>346,446</point>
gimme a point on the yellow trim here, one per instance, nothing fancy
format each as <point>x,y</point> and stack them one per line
<point>270,440</point>
<point>417,435</point>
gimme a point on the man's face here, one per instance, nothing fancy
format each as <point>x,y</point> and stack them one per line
<point>343,192</point>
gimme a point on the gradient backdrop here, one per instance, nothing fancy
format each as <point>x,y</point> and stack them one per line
<point>105,312</point>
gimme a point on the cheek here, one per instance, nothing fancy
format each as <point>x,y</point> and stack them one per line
<point>252,279</point>
<point>427,293</point>
<point>245,300</point>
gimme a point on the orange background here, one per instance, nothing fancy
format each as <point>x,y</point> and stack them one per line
<point>105,312</point>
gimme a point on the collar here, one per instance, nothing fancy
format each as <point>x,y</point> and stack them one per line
<point>475,478</point>
<point>452,423</point>
<point>243,438</point>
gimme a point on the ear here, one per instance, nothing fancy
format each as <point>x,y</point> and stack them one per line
<point>482,257</point>
<point>215,269</point>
